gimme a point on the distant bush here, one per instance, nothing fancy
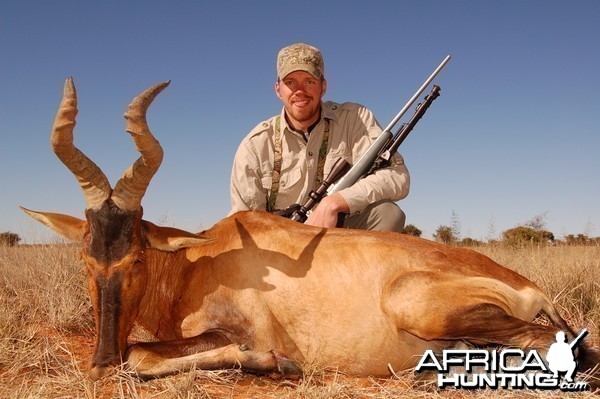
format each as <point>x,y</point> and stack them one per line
<point>9,239</point>
<point>470,242</point>
<point>522,235</point>
<point>579,239</point>
<point>446,235</point>
<point>412,230</point>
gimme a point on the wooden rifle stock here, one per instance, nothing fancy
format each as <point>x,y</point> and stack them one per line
<point>340,168</point>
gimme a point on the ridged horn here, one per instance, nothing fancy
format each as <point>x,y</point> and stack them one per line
<point>92,180</point>
<point>132,186</point>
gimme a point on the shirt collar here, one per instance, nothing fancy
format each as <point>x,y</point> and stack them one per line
<point>327,111</point>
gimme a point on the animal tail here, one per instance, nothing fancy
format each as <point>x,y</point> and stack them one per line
<point>550,310</point>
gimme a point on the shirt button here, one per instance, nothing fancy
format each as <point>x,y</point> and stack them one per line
<point>334,107</point>
<point>265,124</point>
<point>310,153</point>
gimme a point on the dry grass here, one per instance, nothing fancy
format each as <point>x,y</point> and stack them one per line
<point>46,334</point>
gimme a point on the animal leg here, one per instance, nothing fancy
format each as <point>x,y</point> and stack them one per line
<point>488,323</point>
<point>209,351</point>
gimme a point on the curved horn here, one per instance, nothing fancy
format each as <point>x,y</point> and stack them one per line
<point>132,186</point>
<point>92,180</point>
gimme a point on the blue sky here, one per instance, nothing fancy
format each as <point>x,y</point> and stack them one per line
<point>514,134</point>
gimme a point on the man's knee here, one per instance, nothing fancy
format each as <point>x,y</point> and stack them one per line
<point>381,216</point>
<point>390,217</point>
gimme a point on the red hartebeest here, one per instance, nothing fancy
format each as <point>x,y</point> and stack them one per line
<point>266,294</point>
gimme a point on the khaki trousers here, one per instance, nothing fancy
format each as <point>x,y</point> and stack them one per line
<point>382,216</point>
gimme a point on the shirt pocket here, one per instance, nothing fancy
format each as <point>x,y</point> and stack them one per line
<point>290,180</point>
<point>334,155</point>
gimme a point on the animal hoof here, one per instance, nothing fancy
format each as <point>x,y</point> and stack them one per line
<point>99,372</point>
<point>286,367</point>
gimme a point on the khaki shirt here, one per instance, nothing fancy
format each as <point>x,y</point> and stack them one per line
<point>352,129</point>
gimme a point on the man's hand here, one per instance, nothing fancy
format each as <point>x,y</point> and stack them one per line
<point>326,213</point>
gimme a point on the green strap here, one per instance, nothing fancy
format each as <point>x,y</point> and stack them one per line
<point>277,160</point>
<point>322,156</point>
<point>272,197</point>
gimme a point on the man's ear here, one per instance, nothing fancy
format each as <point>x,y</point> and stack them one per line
<point>67,226</point>
<point>277,88</point>
<point>171,239</point>
<point>324,87</point>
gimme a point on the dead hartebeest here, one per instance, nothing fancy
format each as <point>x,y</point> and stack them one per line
<point>266,294</point>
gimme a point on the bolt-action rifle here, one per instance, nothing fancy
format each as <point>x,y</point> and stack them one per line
<point>377,156</point>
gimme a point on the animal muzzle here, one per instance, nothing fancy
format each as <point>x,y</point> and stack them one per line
<point>110,347</point>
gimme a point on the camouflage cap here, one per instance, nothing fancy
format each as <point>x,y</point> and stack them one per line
<point>300,57</point>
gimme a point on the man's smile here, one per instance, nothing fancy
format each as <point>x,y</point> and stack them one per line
<point>300,103</point>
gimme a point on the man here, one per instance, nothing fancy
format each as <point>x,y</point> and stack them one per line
<point>287,156</point>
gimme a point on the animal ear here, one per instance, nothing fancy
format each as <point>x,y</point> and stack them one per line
<point>171,239</point>
<point>67,226</point>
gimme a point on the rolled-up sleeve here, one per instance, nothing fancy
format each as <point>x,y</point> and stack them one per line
<point>246,187</point>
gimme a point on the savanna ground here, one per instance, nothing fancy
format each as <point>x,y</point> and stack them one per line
<point>46,334</point>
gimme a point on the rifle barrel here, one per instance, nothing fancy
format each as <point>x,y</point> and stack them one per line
<point>364,162</point>
<point>417,94</point>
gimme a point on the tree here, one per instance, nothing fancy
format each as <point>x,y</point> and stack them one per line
<point>9,239</point>
<point>589,228</point>
<point>412,230</point>
<point>456,225</point>
<point>445,234</point>
<point>492,231</point>
<point>522,235</point>
<point>538,222</point>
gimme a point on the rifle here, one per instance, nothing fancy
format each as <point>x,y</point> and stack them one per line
<point>377,156</point>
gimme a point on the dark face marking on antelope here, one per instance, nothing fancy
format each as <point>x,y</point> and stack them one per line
<point>109,309</point>
<point>112,247</point>
<point>111,232</point>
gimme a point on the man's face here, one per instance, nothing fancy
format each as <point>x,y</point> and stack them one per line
<point>301,95</point>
